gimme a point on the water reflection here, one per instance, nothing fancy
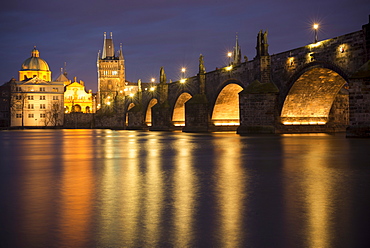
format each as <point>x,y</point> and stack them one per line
<point>130,182</point>
<point>153,203</point>
<point>75,191</point>
<point>231,187</point>
<point>104,188</point>
<point>312,198</point>
<point>185,193</point>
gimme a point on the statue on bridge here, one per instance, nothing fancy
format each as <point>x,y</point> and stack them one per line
<point>202,69</point>
<point>162,76</point>
<point>262,45</point>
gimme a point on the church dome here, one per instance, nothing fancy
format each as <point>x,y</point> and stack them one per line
<point>35,63</point>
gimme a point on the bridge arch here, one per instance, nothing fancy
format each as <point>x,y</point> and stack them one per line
<point>128,107</point>
<point>225,110</point>
<point>148,112</point>
<point>312,94</point>
<point>178,115</point>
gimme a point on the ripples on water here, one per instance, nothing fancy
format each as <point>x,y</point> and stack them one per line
<point>103,188</point>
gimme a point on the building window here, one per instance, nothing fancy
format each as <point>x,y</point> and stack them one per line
<point>55,97</point>
<point>18,115</point>
<point>42,106</point>
<point>30,97</point>
<point>18,89</point>
<point>42,88</point>
<point>30,106</point>
<point>42,97</point>
<point>30,115</point>
<point>55,89</point>
<point>42,115</point>
<point>114,72</point>
<point>18,97</point>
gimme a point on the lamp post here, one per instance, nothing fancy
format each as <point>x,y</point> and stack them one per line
<point>183,70</point>
<point>315,27</point>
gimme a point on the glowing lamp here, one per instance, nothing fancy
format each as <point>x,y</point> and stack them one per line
<point>229,68</point>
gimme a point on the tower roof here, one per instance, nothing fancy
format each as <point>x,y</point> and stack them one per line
<point>35,63</point>
<point>108,47</point>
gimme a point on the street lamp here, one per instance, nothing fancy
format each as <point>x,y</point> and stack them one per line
<point>315,27</point>
<point>229,54</point>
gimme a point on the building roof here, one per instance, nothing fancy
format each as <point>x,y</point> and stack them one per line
<point>35,63</point>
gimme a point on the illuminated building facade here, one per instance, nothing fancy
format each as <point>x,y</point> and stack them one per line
<point>34,100</point>
<point>111,73</point>
<point>76,99</point>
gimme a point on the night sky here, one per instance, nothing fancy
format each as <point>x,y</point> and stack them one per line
<point>169,33</point>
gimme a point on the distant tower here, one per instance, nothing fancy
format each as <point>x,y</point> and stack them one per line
<point>111,73</point>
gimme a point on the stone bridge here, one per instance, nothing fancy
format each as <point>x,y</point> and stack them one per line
<point>321,87</point>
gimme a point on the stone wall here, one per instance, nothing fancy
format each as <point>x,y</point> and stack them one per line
<point>84,120</point>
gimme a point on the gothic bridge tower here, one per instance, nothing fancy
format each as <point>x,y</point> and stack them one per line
<point>111,73</point>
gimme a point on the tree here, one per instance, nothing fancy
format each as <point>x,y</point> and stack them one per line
<point>18,100</point>
<point>52,115</point>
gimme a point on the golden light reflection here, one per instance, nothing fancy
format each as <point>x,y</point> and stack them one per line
<point>315,187</point>
<point>231,186</point>
<point>131,193</point>
<point>77,188</point>
<point>311,97</point>
<point>178,116</point>
<point>304,123</point>
<point>226,109</point>
<point>185,194</point>
<point>153,206</point>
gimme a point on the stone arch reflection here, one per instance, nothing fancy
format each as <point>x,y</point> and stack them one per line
<point>148,113</point>
<point>226,108</point>
<point>311,97</point>
<point>178,116</point>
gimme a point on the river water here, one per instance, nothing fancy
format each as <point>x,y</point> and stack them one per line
<point>104,188</point>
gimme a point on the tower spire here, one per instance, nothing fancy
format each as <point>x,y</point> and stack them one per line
<point>120,53</point>
<point>108,47</point>
<point>237,52</point>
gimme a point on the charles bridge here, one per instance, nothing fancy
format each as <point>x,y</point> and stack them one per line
<point>320,87</point>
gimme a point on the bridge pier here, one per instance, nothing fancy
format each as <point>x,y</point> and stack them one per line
<point>258,108</point>
<point>359,102</point>
<point>197,118</point>
<point>161,117</point>
<point>136,118</point>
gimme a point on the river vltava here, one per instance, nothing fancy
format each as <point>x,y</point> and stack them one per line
<point>104,188</point>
